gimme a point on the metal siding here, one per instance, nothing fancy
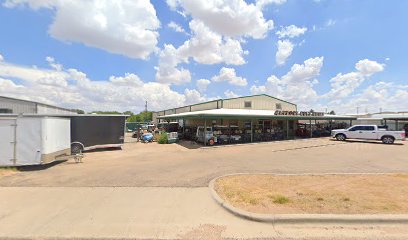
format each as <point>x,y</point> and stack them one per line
<point>258,103</point>
<point>56,135</point>
<point>17,106</point>
<point>43,109</point>
<point>7,138</point>
<point>204,106</point>
<point>97,130</point>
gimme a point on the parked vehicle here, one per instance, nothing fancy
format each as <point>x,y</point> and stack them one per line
<point>33,140</point>
<point>96,131</point>
<point>205,136</point>
<point>368,132</point>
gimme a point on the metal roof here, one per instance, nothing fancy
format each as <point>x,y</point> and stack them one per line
<point>248,113</point>
<point>38,103</point>
<point>226,99</point>
<point>61,115</point>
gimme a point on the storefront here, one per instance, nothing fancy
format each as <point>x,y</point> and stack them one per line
<point>228,126</point>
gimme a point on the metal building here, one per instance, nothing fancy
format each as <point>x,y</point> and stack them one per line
<point>18,106</point>
<point>254,102</point>
<point>255,118</point>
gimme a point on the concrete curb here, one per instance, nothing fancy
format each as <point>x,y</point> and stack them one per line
<point>306,218</point>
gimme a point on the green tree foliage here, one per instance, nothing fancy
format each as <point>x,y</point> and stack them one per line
<point>79,111</point>
<point>141,117</point>
<point>106,112</point>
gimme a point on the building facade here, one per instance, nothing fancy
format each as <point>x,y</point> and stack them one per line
<point>253,118</point>
<point>19,106</point>
<point>254,102</point>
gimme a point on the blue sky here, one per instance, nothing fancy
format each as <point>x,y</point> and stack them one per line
<point>341,54</point>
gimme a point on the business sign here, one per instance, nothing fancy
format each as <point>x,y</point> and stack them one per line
<point>296,113</point>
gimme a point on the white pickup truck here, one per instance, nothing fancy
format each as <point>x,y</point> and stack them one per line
<point>368,132</point>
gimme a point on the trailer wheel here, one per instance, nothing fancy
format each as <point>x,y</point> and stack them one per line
<point>76,148</point>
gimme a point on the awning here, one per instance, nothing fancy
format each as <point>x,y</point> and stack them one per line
<point>249,114</point>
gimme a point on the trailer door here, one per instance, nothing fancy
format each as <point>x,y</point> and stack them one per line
<point>7,142</point>
<point>29,143</point>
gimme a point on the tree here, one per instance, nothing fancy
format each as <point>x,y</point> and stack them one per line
<point>332,112</point>
<point>79,111</point>
<point>128,113</point>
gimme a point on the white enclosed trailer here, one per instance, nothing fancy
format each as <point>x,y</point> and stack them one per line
<point>33,140</point>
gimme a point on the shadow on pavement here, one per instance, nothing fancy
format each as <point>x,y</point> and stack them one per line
<point>39,167</point>
<point>370,142</point>
<point>189,144</point>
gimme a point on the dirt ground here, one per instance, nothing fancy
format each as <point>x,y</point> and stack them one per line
<point>187,165</point>
<point>7,171</point>
<point>335,194</point>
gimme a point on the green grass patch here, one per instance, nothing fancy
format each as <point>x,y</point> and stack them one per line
<point>280,199</point>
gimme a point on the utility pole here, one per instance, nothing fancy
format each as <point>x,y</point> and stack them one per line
<point>145,115</point>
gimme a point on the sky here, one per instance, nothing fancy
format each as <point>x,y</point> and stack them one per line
<point>324,55</point>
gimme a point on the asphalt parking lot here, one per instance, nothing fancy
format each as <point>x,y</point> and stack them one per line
<point>185,165</point>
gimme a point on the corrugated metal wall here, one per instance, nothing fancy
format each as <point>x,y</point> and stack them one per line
<point>43,109</point>
<point>17,106</point>
<point>260,102</point>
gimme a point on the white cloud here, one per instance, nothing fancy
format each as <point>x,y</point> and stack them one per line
<point>232,18</point>
<point>123,27</point>
<point>72,88</point>
<point>330,23</point>
<point>368,67</point>
<point>129,79</point>
<point>36,76</point>
<point>297,85</point>
<point>285,48</point>
<point>263,3</point>
<point>230,94</point>
<point>229,75</point>
<point>342,85</point>
<point>176,27</point>
<point>385,95</point>
<point>167,71</point>
<point>205,47</point>
<point>202,84</point>
<point>193,96</point>
<point>208,47</point>
<point>291,31</point>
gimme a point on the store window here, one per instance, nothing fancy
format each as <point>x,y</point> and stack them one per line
<point>6,110</point>
<point>278,106</point>
<point>248,104</point>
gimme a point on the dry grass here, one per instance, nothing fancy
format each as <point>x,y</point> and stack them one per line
<point>5,171</point>
<point>338,194</point>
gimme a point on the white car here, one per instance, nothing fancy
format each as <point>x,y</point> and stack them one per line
<point>368,132</point>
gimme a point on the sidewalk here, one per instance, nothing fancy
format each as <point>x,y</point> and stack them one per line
<point>148,213</point>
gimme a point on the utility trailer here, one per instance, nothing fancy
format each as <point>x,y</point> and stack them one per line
<point>33,140</point>
<point>92,131</point>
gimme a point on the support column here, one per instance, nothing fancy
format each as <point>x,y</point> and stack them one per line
<point>287,129</point>
<point>252,132</point>
<point>184,128</point>
<point>311,130</point>
<point>205,132</point>
<point>351,123</point>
